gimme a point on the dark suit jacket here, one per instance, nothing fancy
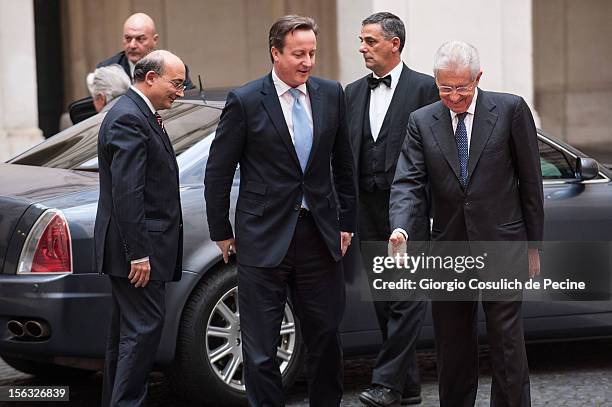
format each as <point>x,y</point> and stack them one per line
<point>503,200</point>
<point>414,90</point>
<point>253,133</point>
<point>139,209</point>
<point>120,59</point>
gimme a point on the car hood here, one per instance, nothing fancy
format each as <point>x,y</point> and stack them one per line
<point>35,184</point>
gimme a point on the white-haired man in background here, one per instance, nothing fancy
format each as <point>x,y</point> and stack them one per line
<point>106,84</point>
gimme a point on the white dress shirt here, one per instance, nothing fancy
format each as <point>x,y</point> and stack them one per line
<point>148,102</point>
<point>286,101</point>
<point>132,66</point>
<point>468,120</point>
<point>380,99</point>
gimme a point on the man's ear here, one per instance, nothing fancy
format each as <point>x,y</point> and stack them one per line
<point>150,77</point>
<point>155,38</point>
<point>396,44</point>
<point>275,51</point>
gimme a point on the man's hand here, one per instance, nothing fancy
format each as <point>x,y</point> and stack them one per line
<point>397,243</point>
<point>345,241</point>
<point>140,273</point>
<point>534,262</point>
<point>227,247</point>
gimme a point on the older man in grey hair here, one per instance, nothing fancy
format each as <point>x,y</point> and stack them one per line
<point>477,153</point>
<point>106,84</point>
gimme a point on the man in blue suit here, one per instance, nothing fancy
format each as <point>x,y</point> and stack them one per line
<point>138,230</point>
<point>288,132</point>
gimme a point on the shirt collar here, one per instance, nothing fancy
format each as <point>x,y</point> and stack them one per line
<point>471,109</point>
<point>395,74</point>
<point>146,99</point>
<point>282,87</point>
<point>132,66</point>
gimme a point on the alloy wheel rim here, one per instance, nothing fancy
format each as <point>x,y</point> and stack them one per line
<point>224,342</point>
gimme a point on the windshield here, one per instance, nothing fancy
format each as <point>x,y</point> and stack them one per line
<point>76,147</point>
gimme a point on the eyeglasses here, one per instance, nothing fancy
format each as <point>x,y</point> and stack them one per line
<point>461,90</point>
<point>179,86</point>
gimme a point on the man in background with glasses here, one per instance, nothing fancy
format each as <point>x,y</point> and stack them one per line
<point>477,154</point>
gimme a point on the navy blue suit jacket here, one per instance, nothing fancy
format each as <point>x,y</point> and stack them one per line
<point>253,133</point>
<point>139,209</point>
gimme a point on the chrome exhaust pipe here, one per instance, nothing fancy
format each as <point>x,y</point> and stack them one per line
<point>35,329</point>
<point>15,328</point>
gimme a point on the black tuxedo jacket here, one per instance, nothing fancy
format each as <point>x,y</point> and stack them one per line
<point>120,59</point>
<point>503,200</point>
<point>414,90</point>
<point>253,133</point>
<point>139,209</point>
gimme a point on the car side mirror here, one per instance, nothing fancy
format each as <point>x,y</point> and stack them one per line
<point>586,168</point>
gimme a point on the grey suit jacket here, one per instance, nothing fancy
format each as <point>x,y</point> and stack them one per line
<point>503,200</point>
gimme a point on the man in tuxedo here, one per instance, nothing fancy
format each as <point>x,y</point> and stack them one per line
<point>287,130</point>
<point>138,229</point>
<point>139,38</point>
<point>477,152</point>
<point>378,107</point>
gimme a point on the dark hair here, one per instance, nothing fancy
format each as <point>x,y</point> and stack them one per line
<point>153,61</point>
<point>288,24</point>
<point>391,25</point>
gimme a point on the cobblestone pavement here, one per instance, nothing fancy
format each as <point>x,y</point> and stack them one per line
<point>562,374</point>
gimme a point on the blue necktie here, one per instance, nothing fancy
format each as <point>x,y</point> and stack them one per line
<point>462,147</point>
<point>302,131</point>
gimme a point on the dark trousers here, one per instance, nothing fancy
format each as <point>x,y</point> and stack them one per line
<point>316,286</point>
<point>135,331</point>
<point>400,321</point>
<point>455,325</point>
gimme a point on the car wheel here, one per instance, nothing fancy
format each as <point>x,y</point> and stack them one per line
<point>42,369</point>
<point>208,364</point>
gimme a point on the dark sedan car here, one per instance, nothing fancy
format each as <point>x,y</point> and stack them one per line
<point>55,310</point>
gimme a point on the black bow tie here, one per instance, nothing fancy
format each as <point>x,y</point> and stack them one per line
<point>374,82</point>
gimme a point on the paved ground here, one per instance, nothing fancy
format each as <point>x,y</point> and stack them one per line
<point>562,374</point>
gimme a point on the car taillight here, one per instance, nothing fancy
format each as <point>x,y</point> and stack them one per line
<point>47,248</point>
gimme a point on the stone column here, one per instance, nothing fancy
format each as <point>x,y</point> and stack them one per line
<point>501,30</point>
<point>18,101</point>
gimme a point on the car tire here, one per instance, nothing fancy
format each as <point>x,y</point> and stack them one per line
<point>208,330</point>
<point>42,369</point>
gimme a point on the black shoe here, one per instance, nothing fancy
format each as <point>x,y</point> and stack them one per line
<point>380,396</point>
<point>411,396</point>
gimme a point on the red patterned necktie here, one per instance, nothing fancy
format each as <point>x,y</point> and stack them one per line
<point>160,121</point>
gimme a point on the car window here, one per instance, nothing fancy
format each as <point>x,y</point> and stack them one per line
<point>192,163</point>
<point>554,163</point>
<point>76,147</point>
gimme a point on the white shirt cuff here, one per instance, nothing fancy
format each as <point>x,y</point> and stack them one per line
<point>403,232</point>
<point>140,260</point>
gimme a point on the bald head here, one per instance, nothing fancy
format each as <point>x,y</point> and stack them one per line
<point>139,36</point>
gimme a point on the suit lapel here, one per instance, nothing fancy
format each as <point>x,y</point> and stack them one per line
<point>397,132</point>
<point>442,130</point>
<point>482,127</point>
<point>316,106</point>
<point>144,108</point>
<point>272,105</point>
<point>357,115</point>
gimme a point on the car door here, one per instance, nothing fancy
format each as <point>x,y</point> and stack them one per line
<point>577,212</point>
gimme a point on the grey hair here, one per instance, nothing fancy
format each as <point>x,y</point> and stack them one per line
<point>111,81</point>
<point>392,26</point>
<point>457,54</point>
